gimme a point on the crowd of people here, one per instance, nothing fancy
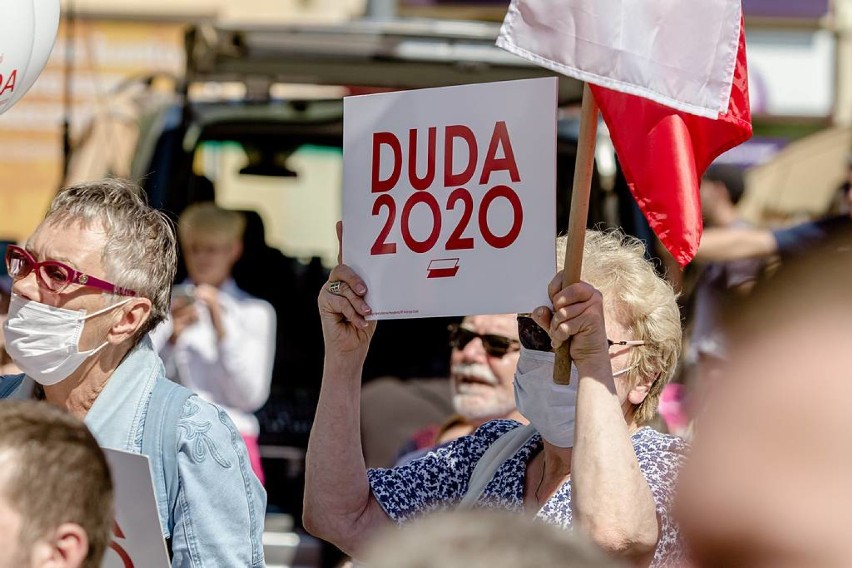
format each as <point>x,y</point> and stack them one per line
<point>102,348</point>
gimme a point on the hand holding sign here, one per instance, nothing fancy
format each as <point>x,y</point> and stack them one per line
<point>27,34</point>
<point>343,312</point>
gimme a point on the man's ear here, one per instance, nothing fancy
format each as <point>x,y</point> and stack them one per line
<point>132,318</point>
<point>66,547</point>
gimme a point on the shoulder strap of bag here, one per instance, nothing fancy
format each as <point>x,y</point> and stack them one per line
<point>159,443</point>
<point>501,450</point>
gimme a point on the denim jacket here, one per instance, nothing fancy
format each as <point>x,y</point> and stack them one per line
<point>221,505</point>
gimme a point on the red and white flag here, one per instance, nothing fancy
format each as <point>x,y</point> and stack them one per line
<point>671,82</point>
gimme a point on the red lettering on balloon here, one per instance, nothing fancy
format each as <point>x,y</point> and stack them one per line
<point>9,85</point>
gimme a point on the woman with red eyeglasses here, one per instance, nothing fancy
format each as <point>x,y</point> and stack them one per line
<point>587,458</point>
<point>88,286</point>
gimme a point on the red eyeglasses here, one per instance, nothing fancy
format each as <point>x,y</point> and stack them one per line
<point>54,275</point>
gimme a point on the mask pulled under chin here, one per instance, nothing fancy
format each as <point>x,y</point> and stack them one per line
<point>549,407</point>
<point>43,340</point>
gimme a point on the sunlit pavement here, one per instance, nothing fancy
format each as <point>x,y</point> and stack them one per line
<point>285,547</point>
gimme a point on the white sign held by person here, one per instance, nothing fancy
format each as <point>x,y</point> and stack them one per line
<point>449,197</point>
<point>137,538</point>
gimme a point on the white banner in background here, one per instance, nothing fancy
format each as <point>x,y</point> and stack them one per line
<point>449,197</point>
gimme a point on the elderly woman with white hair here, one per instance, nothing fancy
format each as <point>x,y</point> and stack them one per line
<point>586,459</point>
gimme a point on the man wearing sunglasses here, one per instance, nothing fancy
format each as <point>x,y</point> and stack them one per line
<point>485,350</point>
<point>89,284</point>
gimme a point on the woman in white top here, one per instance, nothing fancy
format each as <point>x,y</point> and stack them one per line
<point>219,341</point>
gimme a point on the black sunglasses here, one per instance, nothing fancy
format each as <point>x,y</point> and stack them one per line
<point>494,345</point>
<point>534,337</point>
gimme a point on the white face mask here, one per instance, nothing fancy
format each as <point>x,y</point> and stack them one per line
<point>43,340</point>
<point>549,407</point>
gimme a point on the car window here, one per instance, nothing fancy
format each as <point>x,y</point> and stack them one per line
<point>300,204</point>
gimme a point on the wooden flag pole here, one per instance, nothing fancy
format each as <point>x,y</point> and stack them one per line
<point>578,217</point>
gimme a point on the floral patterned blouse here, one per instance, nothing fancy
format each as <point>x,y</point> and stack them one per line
<point>440,479</point>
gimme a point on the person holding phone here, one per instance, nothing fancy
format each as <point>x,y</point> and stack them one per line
<point>218,340</point>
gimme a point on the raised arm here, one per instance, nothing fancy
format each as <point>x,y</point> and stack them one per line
<point>611,499</point>
<point>338,505</point>
<point>735,243</point>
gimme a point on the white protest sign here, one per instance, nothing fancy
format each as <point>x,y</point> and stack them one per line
<point>137,539</point>
<point>449,197</point>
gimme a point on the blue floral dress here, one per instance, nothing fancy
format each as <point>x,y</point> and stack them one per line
<point>439,480</point>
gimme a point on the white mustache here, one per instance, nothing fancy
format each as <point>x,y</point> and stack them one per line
<point>478,371</point>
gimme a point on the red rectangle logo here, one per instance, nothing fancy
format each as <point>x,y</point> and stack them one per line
<point>443,268</point>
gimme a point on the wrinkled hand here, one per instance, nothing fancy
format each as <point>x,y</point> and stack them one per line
<point>578,315</point>
<point>344,327</point>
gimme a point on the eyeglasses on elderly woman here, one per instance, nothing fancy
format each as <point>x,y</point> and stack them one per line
<point>53,275</point>
<point>533,337</point>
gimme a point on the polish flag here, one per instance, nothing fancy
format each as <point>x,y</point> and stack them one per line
<point>671,82</point>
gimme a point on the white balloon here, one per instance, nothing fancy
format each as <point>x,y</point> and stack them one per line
<point>27,33</point>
